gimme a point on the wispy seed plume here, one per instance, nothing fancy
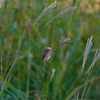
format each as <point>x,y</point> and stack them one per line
<point>29,26</point>
<point>63,43</point>
<point>47,9</point>
<point>87,50</point>
<point>96,58</point>
<point>1,3</point>
<point>66,11</point>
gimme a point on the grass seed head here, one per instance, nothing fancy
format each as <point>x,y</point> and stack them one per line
<point>64,42</point>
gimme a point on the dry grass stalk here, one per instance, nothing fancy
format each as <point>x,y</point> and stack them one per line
<point>69,10</point>
<point>29,26</point>
<point>1,3</point>
<point>47,9</point>
<point>96,58</point>
<point>66,11</point>
<point>63,43</point>
<point>86,51</point>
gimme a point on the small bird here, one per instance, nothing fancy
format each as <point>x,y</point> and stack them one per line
<point>46,54</point>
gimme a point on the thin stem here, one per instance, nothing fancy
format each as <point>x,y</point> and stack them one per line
<point>54,26</point>
<point>8,75</point>
<point>43,81</point>
<point>28,73</point>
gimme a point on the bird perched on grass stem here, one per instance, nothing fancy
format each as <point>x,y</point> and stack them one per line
<point>46,54</point>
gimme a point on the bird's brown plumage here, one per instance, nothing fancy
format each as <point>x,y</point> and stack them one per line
<point>46,54</point>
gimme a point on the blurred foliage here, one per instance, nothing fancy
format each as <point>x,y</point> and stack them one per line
<point>23,57</point>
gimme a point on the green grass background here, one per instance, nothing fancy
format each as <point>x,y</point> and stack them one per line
<point>23,58</point>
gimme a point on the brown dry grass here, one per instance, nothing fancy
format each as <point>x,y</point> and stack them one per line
<point>86,3</point>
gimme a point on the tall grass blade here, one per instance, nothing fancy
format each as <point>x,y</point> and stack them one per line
<point>8,76</point>
<point>73,92</point>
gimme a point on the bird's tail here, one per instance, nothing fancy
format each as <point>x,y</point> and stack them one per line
<point>43,64</point>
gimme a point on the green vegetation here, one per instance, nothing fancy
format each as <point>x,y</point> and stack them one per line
<point>22,42</point>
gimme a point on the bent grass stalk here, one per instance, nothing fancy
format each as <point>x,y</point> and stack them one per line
<point>66,11</point>
<point>8,75</point>
<point>47,9</point>
<point>29,26</point>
